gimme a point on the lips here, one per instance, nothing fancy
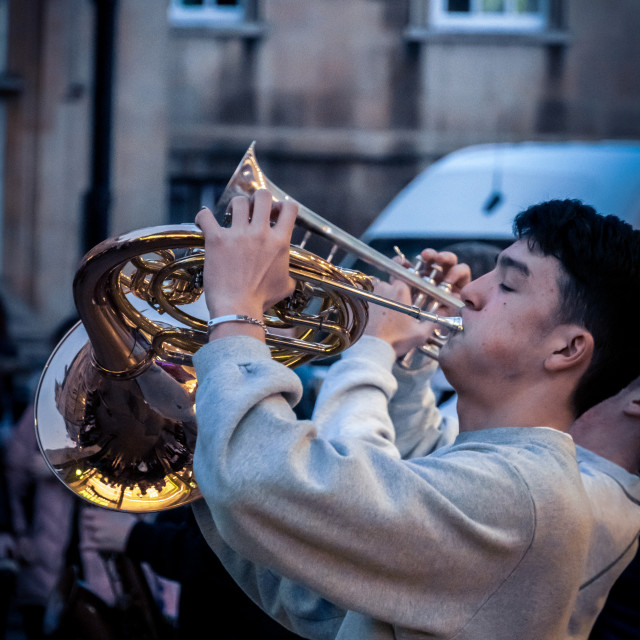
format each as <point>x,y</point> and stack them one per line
<point>465,324</point>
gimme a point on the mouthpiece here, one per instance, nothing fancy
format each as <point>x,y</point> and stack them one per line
<point>454,323</point>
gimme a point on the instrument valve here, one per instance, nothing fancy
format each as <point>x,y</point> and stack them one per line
<point>435,270</point>
<point>305,239</point>
<point>418,265</point>
<point>399,253</point>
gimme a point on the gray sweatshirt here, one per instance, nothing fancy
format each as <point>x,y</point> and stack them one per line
<point>484,538</point>
<point>418,428</point>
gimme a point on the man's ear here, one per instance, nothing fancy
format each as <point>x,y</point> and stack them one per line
<point>570,346</point>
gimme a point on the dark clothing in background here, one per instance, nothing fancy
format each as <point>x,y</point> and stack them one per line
<point>620,618</point>
<point>209,598</point>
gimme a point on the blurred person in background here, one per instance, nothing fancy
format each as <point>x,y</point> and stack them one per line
<point>174,548</point>
<point>615,435</point>
<point>42,519</point>
<point>8,561</point>
<point>8,368</point>
<point>47,539</point>
<point>42,513</point>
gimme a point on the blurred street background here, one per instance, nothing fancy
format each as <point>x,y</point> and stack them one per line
<point>117,115</point>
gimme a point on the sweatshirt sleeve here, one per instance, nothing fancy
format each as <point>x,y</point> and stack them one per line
<point>354,396</point>
<point>360,527</point>
<point>420,427</point>
<point>293,605</point>
<point>366,395</point>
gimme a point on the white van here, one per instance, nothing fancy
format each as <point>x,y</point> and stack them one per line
<point>474,193</point>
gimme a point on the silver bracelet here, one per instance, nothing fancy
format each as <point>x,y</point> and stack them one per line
<point>236,318</point>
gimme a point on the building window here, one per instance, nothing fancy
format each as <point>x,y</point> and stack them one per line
<point>217,13</point>
<point>485,15</point>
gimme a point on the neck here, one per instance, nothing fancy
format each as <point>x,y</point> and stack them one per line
<point>527,408</point>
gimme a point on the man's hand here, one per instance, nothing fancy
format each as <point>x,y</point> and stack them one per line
<point>402,331</point>
<point>246,269</point>
<point>455,274</point>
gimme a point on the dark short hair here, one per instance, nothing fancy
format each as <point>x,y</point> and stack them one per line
<point>599,288</point>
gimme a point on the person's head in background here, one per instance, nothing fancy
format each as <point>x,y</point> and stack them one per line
<point>480,256</point>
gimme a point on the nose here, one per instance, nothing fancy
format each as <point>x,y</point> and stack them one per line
<point>467,296</point>
<point>473,294</point>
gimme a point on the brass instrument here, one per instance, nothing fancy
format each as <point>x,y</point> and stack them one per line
<point>115,406</point>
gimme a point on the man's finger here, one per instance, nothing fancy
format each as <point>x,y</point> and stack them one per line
<point>459,275</point>
<point>240,208</point>
<point>262,203</point>
<point>206,220</point>
<point>287,217</point>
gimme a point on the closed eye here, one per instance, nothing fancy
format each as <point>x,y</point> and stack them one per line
<point>505,288</point>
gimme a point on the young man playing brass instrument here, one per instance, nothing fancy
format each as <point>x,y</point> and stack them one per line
<point>488,537</point>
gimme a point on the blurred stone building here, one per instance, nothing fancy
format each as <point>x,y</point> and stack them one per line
<point>120,114</point>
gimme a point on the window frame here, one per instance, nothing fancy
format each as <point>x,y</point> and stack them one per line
<point>210,14</point>
<point>478,22</point>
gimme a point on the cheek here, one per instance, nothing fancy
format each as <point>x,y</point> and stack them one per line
<point>513,343</point>
<point>494,341</point>
<point>494,345</point>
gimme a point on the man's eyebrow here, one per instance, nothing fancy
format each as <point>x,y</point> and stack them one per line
<point>506,262</point>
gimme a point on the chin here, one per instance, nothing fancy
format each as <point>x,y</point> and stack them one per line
<point>444,357</point>
<point>450,360</point>
<point>447,349</point>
